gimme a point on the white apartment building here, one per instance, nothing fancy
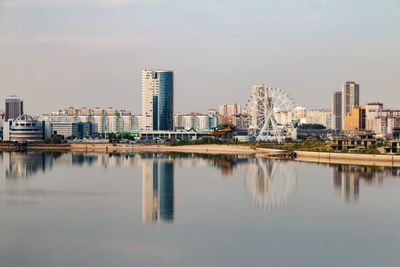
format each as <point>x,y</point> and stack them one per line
<point>66,129</point>
<point>201,122</point>
<point>83,118</point>
<point>229,110</point>
<point>150,87</point>
<point>100,123</point>
<point>381,121</point>
<point>372,112</point>
<point>178,121</point>
<point>299,113</point>
<point>126,123</point>
<point>213,118</point>
<point>283,117</point>
<point>137,123</point>
<point>195,121</point>
<point>319,116</point>
<point>188,122</point>
<point>112,123</point>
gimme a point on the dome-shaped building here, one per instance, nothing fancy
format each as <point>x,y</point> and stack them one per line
<point>26,129</point>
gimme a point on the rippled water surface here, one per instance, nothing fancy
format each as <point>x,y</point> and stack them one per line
<point>185,210</point>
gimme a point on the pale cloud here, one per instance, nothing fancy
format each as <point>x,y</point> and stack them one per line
<point>70,40</point>
<point>69,3</point>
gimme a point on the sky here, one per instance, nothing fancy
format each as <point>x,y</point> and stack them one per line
<point>61,53</point>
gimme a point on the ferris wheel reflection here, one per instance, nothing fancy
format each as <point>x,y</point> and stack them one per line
<point>270,183</point>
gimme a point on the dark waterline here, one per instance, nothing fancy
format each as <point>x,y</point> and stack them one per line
<point>149,209</point>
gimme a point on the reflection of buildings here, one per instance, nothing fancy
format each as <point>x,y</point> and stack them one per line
<point>157,190</point>
<point>103,160</point>
<point>347,178</point>
<point>24,165</point>
<point>227,163</point>
<point>270,183</point>
<point>347,181</point>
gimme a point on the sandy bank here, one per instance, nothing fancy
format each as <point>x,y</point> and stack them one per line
<point>349,158</point>
<point>110,148</point>
<point>208,149</point>
<point>318,157</point>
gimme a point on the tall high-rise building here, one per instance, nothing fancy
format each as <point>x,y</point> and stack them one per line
<point>337,111</point>
<point>14,107</point>
<point>350,98</point>
<point>158,100</point>
<point>229,110</point>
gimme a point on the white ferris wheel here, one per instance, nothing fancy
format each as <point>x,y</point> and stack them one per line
<point>265,102</point>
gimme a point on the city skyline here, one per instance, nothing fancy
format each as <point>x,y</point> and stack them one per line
<point>199,133</point>
<point>229,106</point>
<point>102,55</point>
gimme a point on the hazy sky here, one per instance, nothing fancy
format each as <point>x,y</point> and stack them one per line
<point>58,53</point>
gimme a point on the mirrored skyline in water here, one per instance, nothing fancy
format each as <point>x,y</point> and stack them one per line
<point>269,183</point>
<point>150,209</point>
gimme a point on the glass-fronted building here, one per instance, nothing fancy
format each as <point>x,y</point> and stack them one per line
<point>165,100</point>
<point>158,100</point>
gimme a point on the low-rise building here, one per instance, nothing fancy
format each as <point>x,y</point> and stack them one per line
<point>319,116</point>
<point>26,129</point>
<point>73,129</point>
<point>173,135</point>
<point>66,129</point>
<point>103,121</point>
<point>357,143</point>
<point>382,122</point>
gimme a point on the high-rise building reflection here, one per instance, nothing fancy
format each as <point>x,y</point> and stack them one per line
<point>157,190</point>
<point>347,178</point>
<point>26,164</point>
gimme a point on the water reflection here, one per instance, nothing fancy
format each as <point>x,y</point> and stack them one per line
<point>346,178</point>
<point>270,183</point>
<point>157,189</point>
<point>24,165</point>
<point>226,163</point>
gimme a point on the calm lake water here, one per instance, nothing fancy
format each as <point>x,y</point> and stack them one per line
<point>184,210</point>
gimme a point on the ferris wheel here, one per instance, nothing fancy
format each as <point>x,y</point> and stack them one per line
<point>270,183</point>
<point>262,106</point>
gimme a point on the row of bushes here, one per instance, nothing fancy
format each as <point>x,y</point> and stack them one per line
<point>203,141</point>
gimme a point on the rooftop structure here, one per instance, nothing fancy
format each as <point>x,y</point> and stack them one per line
<point>26,129</point>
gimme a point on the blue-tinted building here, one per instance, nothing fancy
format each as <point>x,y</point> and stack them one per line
<point>165,112</point>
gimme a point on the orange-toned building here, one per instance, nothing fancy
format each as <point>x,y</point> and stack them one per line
<point>354,122</point>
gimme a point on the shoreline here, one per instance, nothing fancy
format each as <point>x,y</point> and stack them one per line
<point>349,158</point>
<point>303,156</point>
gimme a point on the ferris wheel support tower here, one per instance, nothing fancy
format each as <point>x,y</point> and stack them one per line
<point>262,105</point>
